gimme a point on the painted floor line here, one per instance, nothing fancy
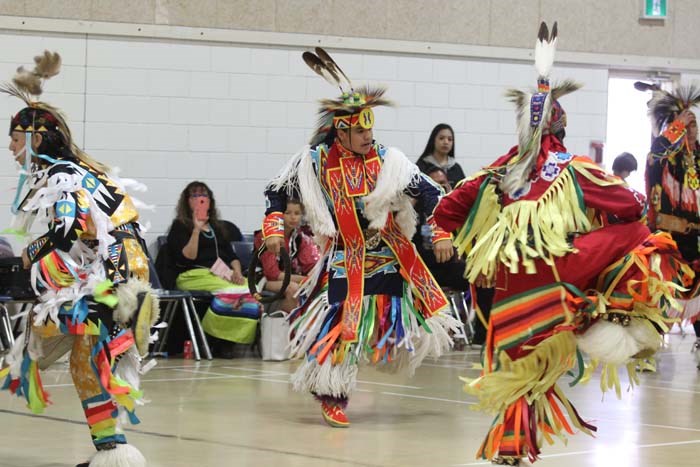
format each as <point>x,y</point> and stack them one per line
<point>197,440</point>
<point>593,451</point>
<point>414,396</point>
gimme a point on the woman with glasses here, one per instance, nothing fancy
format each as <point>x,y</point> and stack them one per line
<point>200,246</point>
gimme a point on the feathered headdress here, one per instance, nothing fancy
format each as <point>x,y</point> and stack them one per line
<point>38,116</point>
<point>28,86</point>
<point>665,106</point>
<point>352,108</point>
<point>538,113</point>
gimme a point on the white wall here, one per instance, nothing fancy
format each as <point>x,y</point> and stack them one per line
<point>168,112</point>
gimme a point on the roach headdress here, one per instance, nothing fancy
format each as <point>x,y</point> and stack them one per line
<point>352,108</point>
<point>538,112</point>
<point>665,106</point>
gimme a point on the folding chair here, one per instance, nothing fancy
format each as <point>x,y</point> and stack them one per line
<point>6,335</point>
<point>244,251</point>
<point>173,298</point>
<point>459,300</point>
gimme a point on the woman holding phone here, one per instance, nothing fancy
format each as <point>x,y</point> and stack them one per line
<point>197,240</point>
<point>205,261</point>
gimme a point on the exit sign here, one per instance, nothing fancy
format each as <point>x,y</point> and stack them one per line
<point>655,9</point>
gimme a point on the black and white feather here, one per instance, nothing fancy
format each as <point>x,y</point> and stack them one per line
<point>343,81</point>
<point>545,47</point>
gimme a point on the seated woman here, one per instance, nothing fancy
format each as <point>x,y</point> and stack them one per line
<point>302,251</point>
<point>439,153</point>
<point>205,261</point>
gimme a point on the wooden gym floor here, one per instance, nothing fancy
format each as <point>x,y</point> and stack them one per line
<point>243,412</point>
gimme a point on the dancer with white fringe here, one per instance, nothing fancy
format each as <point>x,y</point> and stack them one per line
<point>89,270</point>
<point>370,298</point>
<point>537,225</point>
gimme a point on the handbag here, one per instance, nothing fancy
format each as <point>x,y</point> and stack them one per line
<point>274,336</point>
<point>219,268</point>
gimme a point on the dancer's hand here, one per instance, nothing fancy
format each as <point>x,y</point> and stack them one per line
<point>686,117</point>
<point>291,290</point>
<point>274,245</point>
<point>443,250</point>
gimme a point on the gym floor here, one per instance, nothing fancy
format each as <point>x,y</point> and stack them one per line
<point>243,412</point>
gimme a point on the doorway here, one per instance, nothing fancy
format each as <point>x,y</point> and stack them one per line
<point>628,125</point>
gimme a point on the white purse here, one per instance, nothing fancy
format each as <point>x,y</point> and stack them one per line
<point>274,336</point>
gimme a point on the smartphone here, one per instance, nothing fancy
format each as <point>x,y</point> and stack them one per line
<point>201,209</point>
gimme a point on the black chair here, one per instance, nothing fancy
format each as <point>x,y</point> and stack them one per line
<point>244,251</point>
<point>173,298</point>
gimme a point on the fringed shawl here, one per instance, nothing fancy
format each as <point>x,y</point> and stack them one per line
<point>525,230</point>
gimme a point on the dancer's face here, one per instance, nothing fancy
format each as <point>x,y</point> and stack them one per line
<point>357,140</point>
<point>18,140</point>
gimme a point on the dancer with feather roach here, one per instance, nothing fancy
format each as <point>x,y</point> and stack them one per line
<point>89,270</point>
<point>370,299</point>
<point>566,283</point>
<point>673,183</point>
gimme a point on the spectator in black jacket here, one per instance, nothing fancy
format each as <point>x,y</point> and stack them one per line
<point>439,153</point>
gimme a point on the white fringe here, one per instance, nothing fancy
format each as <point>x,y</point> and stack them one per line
<point>303,336</point>
<point>315,204</point>
<point>130,368</point>
<point>435,343</point>
<point>400,362</point>
<point>57,187</point>
<point>16,354</point>
<point>83,260</point>
<point>690,309</point>
<point>616,344</point>
<point>327,379</point>
<point>395,176</point>
<point>129,185</point>
<point>124,455</point>
<point>127,293</point>
<point>286,176</point>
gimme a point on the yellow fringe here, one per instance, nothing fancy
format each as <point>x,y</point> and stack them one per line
<point>530,376</point>
<point>610,377</point>
<point>501,234</point>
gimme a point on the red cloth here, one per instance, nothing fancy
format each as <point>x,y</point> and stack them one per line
<point>618,200</point>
